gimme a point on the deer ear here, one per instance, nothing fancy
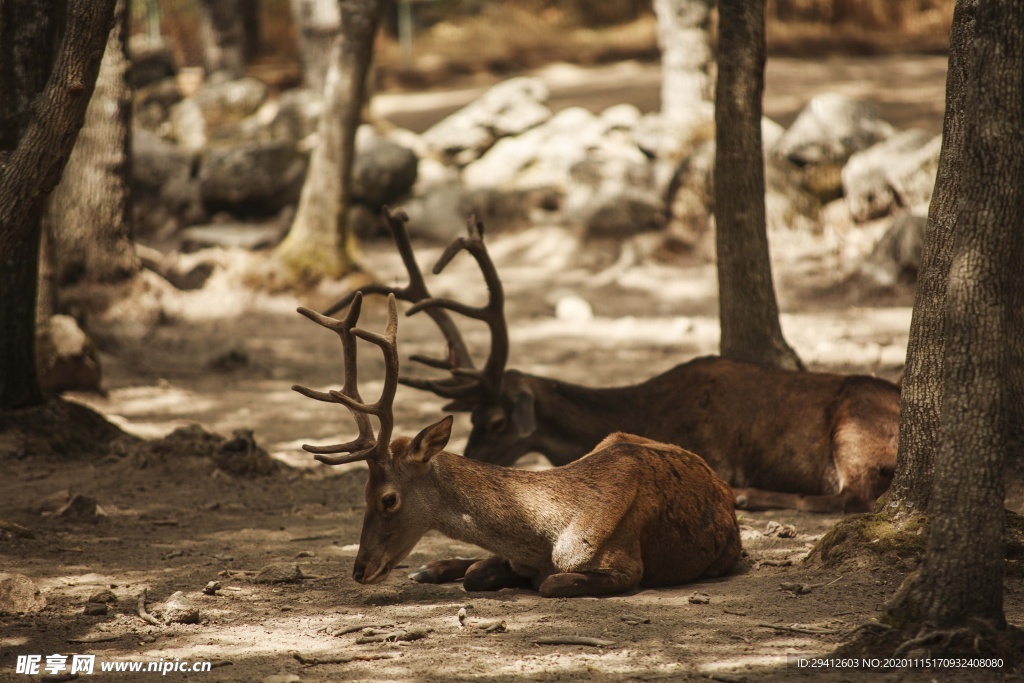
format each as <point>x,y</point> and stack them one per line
<point>522,413</point>
<point>430,441</point>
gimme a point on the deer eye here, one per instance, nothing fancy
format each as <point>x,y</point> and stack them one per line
<point>389,501</point>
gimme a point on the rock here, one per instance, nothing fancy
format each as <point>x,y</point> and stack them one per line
<point>912,176</point>
<point>866,178</point>
<point>252,178</point>
<point>19,595</point>
<point>297,116</point>
<point>623,216</point>
<point>509,108</point>
<point>177,609</point>
<point>80,507</point>
<point>153,104</point>
<point>440,214</point>
<point>573,309</point>
<point>279,572</point>
<point>241,456</point>
<point>211,588</point>
<point>382,173</point>
<point>104,595</point>
<point>165,191</point>
<point>230,236</point>
<point>66,359</point>
<point>95,610</point>
<point>215,108</point>
<point>779,530</point>
<point>151,61</point>
<point>282,678</point>
<point>896,257</point>
<point>675,138</point>
<point>830,129</point>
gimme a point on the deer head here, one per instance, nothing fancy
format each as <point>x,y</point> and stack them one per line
<point>399,490</point>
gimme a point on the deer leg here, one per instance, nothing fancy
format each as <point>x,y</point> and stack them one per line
<point>443,571</point>
<point>493,574</point>
<point>759,499</point>
<point>572,584</point>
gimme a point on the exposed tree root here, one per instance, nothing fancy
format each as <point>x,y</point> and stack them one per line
<point>976,639</point>
<point>872,538</point>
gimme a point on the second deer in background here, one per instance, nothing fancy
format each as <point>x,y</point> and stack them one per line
<point>782,439</point>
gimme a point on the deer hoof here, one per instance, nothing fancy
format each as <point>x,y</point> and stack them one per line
<point>425,575</point>
<point>741,502</point>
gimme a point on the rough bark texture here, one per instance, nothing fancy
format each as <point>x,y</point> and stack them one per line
<point>685,53</point>
<point>962,574</point>
<point>89,214</point>
<point>922,381</point>
<point>319,242</point>
<point>223,35</point>
<point>39,119</point>
<point>747,305</point>
<point>319,22</point>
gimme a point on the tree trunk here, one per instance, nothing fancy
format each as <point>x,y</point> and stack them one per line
<point>685,54</point>
<point>319,22</point>
<point>40,114</point>
<point>922,381</point>
<point>748,309</point>
<point>223,36</point>
<point>961,577</point>
<point>89,213</point>
<point>319,243</point>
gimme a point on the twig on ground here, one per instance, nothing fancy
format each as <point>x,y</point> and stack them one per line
<point>100,638</point>
<point>739,614</point>
<point>572,640</point>
<point>16,529</point>
<point>143,614</point>
<point>394,636</point>
<point>809,630</point>
<point>352,629</point>
<point>345,659</point>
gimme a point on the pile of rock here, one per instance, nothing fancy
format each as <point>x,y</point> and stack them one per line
<point>231,148</point>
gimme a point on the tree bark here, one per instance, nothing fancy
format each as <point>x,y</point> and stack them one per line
<point>40,114</point>
<point>962,574</point>
<point>922,381</point>
<point>89,214</point>
<point>319,242</point>
<point>223,36</point>
<point>685,54</point>
<point>318,22</point>
<point>747,305</point>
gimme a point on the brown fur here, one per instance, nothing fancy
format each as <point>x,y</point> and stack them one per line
<point>781,438</point>
<point>632,512</point>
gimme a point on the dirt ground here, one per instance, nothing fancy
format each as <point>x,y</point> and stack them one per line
<point>226,358</point>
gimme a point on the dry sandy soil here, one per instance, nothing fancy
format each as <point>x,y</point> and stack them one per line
<point>174,522</point>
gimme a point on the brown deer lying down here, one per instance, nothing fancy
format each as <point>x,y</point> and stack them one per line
<point>632,512</point>
<point>781,438</point>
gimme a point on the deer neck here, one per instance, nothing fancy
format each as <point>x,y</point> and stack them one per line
<point>506,511</point>
<point>572,419</point>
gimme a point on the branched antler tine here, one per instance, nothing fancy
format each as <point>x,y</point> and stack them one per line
<point>441,389</point>
<point>349,353</point>
<point>372,288</point>
<point>314,394</point>
<point>493,313</point>
<point>385,404</point>
<point>438,363</point>
<point>342,459</point>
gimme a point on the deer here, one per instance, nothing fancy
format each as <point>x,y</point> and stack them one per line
<point>783,439</point>
<point>631,513</point>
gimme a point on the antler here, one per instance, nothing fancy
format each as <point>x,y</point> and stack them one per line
<point>493,314</point>
<point>364,447</point>
<point>414,292</point>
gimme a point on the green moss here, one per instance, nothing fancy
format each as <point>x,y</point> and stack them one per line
<point>871,537</point>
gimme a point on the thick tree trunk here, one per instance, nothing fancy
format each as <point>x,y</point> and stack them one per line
<point>40,114</point>
<point>318,244</point>
<point>922,381</point>
<point>747,305</point>
<point>962,574</point>
<point>685,54</point>
<point>318,22</point>
<point>89,213</point>
<point>223,36</point>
